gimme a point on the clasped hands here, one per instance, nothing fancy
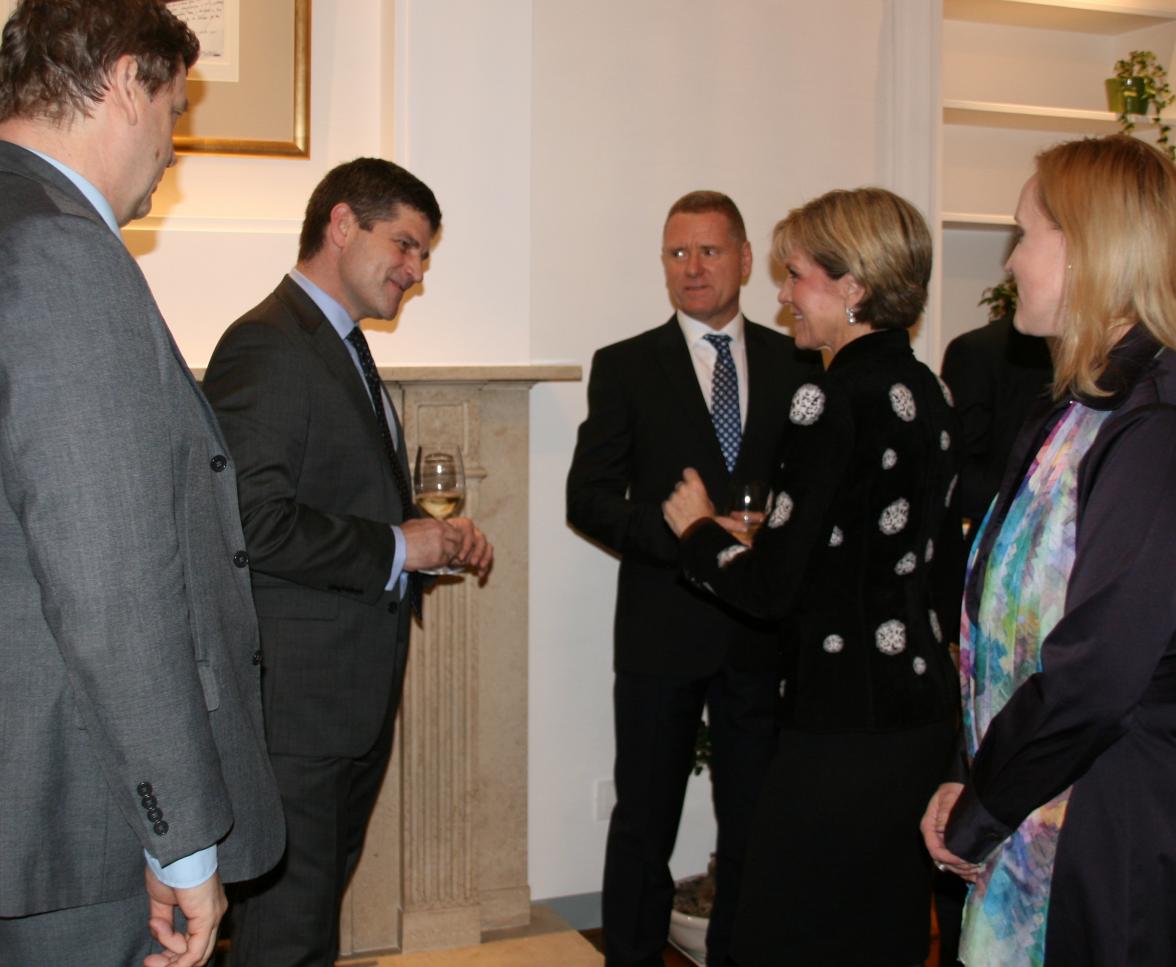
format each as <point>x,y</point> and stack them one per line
<point>456,542</point>
<point>685,507</point>
<point>932,827</point>
<point>689,503</point>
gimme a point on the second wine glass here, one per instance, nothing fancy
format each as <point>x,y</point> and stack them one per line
<point>749,502</point>
<point>438,484</point>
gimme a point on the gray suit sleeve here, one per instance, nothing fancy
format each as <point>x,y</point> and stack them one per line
<point>86,462</point>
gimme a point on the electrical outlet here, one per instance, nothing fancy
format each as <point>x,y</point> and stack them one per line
<point>604,798</point>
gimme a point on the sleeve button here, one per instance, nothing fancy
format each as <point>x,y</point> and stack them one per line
<point>241,559</point>
<point>218,463</point>
<point>160,828</point>
<point>143,789</point>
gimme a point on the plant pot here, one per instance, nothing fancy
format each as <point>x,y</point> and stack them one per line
<point>693,897</point>
<point>688,934</point>
<point>1128,96</point>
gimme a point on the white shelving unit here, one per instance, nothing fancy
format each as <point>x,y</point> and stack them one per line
<point>1016,77</point>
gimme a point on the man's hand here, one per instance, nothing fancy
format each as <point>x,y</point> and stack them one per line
<point>476,553</point>
<point>203,906</point>
<point>429,543</point>
<point>688,503</point>
<point>935,822</point>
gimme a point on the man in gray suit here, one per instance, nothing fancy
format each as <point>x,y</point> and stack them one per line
<point>334,538</point>
<point>130,711</point>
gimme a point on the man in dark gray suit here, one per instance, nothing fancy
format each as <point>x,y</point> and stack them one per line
<point>333,536</point>
<point>130,705</point>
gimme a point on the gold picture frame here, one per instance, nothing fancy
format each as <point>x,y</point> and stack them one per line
<point>266,111</point>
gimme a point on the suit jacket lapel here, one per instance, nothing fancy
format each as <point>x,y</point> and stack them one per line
<point>337,361</point>
<point>330,350</point>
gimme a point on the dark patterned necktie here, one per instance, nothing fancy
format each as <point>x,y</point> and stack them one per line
<point>725,400</point>
<point>372,377</point>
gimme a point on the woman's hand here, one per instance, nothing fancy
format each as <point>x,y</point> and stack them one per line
<point>935,822</point>
<point>739,525</point>
<point>688,503</point>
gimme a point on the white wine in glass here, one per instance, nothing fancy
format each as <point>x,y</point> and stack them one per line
<point>438,485</point>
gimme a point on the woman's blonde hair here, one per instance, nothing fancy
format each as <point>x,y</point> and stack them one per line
<point>872,233</point>
<point>1114,200</point>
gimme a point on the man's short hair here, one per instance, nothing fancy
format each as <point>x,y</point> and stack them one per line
<point>57,55</point>
<point>703,202</point>
<point>374,190</point>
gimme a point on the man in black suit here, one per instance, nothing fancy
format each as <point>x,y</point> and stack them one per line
<point>996,375</point>
<point>333,537</point>
<point>707,390</point>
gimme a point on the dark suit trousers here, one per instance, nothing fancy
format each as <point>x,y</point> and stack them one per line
<point>290,916</point>
<point>656,721</point>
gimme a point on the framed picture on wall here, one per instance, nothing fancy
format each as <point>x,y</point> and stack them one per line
<point>249,93</point>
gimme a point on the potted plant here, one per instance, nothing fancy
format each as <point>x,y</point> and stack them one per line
<point>1001,299</point>
<point>1140,86</point>
<point>694,896</point>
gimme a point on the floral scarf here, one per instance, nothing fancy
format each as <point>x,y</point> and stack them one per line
<point>1023,595</point>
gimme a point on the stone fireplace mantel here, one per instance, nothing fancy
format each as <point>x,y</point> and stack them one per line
<point>446,853</point>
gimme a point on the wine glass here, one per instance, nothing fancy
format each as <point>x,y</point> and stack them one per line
<point>438,485</point>
<point>749,503</point>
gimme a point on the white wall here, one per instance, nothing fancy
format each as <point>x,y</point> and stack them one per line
<point>555,134</point>
<point>635,104</point>
<point>224,230</point>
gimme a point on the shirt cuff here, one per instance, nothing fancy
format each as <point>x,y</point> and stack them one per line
<point>187,871</point>
<point>397,579</point>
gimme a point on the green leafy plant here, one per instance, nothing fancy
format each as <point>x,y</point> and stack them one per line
<point>1001,299</point>
<point>1142,64</point>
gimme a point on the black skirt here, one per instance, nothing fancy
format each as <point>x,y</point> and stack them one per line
<point>836,872</point>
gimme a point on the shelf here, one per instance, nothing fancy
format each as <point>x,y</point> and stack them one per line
<point>1033,117</point>
<point>995,56</point>
<point>1081,16</point>
<point>976,220</point>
